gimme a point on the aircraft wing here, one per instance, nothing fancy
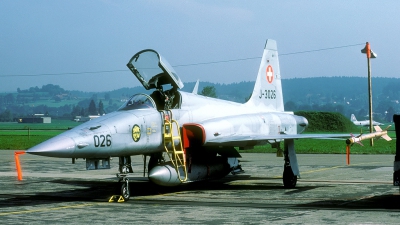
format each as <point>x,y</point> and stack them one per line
<point>246,138</point>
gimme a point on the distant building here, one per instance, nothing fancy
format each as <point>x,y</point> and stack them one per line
<point>46,119</point>
<point>36,118</point>
<point>84,119</point>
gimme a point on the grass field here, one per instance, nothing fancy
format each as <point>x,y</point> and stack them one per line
<point>55,124</point>
<point>21,136</point>
<point>318,146</point>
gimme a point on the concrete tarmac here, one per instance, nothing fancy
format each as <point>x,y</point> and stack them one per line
<point>54,191</point>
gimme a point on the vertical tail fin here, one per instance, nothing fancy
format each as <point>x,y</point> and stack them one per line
<point>353,118</point>
<point>267,91</point>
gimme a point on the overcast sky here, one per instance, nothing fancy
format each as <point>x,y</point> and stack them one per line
<point>68,38</point>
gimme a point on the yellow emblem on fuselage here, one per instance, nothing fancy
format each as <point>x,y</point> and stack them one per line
<point>136,133</point>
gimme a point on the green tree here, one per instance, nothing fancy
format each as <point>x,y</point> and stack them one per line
<point>76,111</point>
<point>326,121</point>
<point>209,91</point>
<point>107,96</point>
<point>52,89</point>
<point>389,114</point>
<point>9,99</point>
<point>101,108</point>
<point>6,116</point>
<point>94,97</point>
<point>92,108</point>
<point>290,106</point>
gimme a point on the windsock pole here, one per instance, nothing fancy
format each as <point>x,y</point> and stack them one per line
<point>396,166</point>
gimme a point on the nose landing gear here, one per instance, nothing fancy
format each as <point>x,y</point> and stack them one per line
<point>125,190</point>
<point>124,168</point>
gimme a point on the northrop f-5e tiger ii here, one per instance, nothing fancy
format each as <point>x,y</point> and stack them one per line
<point>189,137</point>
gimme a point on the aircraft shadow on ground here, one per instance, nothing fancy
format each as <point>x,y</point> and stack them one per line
<point>101,191</point>
<point>380,202</point>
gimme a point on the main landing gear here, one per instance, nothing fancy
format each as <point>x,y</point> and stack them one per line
<point>289,179</point>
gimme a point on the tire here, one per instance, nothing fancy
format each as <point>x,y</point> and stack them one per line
<point>289,179</point>
<point>125,192</point>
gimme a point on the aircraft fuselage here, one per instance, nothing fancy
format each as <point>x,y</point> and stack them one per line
<point>139,131</point>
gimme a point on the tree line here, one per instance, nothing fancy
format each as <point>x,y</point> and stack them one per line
<point>345,95</point>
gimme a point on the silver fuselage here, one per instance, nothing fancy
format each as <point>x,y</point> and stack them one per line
<point>139,131</point>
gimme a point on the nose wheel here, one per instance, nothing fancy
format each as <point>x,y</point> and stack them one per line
<point>125,167</point>
<point>125,190</point>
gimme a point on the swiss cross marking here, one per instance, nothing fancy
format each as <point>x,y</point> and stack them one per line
<point>270,74</point>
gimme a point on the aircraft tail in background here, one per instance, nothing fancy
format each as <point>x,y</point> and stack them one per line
<point>363,122</point>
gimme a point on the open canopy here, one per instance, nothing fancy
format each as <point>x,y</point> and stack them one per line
<point>152,70</point>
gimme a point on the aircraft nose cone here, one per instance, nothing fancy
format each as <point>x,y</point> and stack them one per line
<point>164,175</point>
<point>59,146</point>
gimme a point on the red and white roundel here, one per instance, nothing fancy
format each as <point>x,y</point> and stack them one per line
<point>270,74</point>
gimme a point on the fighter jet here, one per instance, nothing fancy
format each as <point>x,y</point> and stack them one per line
<point>363,122</point>
<point>189,137</point>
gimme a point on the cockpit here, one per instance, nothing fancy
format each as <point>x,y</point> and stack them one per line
<point>139,101</point>
<point>154,72</point>
<point>160,100</point>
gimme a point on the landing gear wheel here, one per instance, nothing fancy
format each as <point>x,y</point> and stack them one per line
<point>289,179</point>
<point>125,192</point>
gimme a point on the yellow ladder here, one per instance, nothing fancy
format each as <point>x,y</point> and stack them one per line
<point>173,145</point>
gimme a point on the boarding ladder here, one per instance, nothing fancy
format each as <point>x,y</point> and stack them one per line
<point>173,145</point>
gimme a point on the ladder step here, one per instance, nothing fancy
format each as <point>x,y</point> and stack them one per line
<point>173,146</point>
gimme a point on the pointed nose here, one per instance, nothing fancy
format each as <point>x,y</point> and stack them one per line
<point>59,146</point>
